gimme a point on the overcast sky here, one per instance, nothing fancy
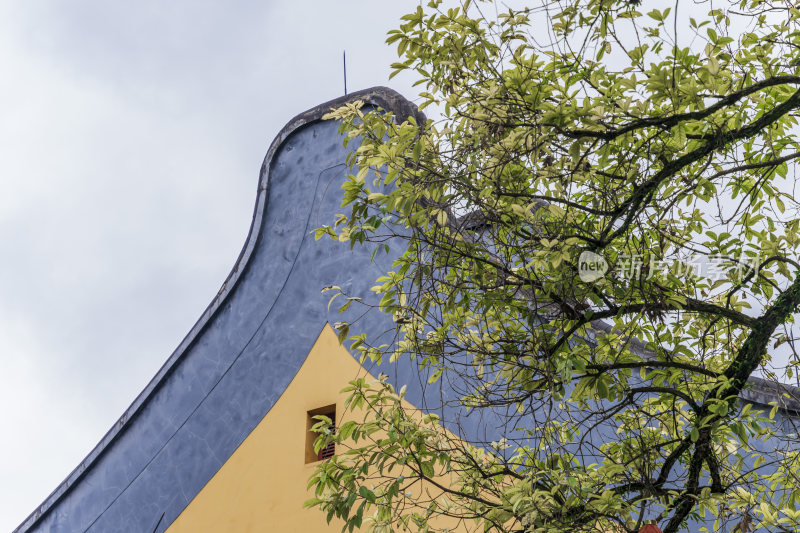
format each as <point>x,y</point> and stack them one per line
<point>131,136</point>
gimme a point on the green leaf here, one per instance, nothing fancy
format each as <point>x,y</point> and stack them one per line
<point>367,494</point>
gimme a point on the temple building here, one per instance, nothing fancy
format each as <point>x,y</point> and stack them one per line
<point>219,440</point>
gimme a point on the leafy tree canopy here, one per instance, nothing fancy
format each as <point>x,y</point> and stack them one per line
<point>599,239</point>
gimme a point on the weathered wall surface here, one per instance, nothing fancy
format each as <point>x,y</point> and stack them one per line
<point>262,486</point>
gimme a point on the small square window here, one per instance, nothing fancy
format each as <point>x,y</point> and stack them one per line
<point>328,451</point>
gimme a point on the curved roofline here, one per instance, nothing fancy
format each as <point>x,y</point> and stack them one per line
<point>383,97</point>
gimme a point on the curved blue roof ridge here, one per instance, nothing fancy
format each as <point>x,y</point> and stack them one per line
<point>243,351</point>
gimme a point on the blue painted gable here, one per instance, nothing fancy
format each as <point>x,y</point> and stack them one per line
<point>242,353</point>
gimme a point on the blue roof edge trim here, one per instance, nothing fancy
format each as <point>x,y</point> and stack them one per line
<point>382,97</point>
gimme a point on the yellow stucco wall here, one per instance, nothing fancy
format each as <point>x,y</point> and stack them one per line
<point>262,486</point>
